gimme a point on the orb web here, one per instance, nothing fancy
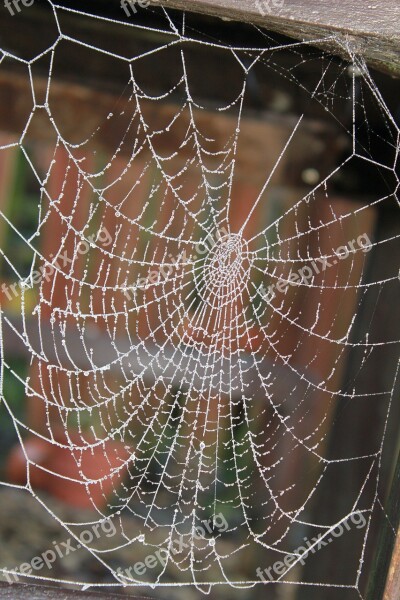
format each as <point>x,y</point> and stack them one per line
<point>155,343</point>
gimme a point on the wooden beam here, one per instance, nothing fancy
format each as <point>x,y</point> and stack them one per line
<point>392,591</point>
<point>385,576</point>
<point>39,592</point>
<point>370,29</point>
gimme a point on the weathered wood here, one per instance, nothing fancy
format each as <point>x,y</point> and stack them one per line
<point>36,592</point>
<point>392,591</point>
<point>368,28</point>
<point>385,578</point>
<point>371,29</point>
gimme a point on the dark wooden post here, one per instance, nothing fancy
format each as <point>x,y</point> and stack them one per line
<point>385,576</point>
<point>357,430</point>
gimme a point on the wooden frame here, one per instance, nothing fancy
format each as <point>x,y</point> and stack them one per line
<point>39,592</point>
<point>385,580</point>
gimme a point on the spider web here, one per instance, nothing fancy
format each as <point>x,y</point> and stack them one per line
<point>154,346</point>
